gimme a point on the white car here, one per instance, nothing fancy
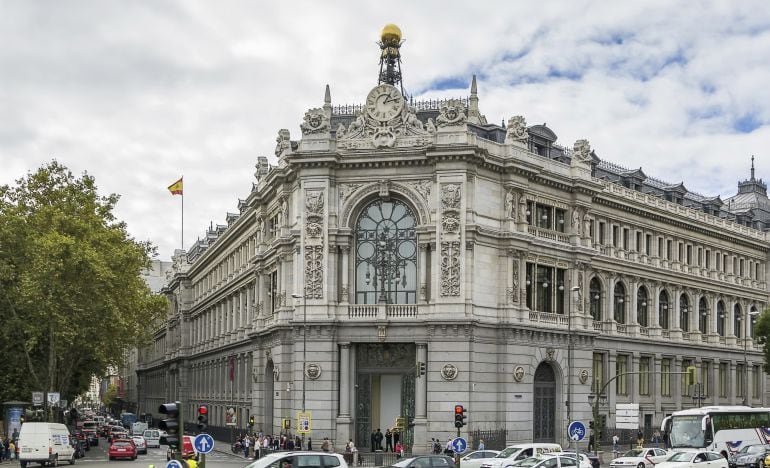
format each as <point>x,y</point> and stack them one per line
<point>645,457</point>
<point>585,462</point>
<point>294,459</point>
<point>548,460</point>
<point>702,459</point>
<point>473,459</point>
<point>141,444</point>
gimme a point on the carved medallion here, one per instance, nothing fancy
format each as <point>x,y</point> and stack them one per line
<point>451,114</point>
<point>315,121</point>
<point>518,373</point>
<point>313,371</point>
<point>583,376</point>
<point>449,372</point>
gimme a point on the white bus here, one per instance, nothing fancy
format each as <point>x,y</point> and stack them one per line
<point>723,429</point>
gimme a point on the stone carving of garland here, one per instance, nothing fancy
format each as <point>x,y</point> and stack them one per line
<point>314,239</point>
<point>450,239</point>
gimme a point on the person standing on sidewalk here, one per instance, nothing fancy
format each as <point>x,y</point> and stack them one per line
<point>246,442</point>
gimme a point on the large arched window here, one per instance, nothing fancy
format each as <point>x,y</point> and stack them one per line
<point>641,306</point>
<point>663,310</point>
<point>703,315</point>
<point>386,254</point>
<point>595,289</point>
<point>737,321</point>
<point>721,318</point>
<point>684,313</point>
<point>619,302</point>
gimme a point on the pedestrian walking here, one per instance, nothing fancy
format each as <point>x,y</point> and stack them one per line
<point>481,444</point>
<point>388,441</point>
<point>399,450</point>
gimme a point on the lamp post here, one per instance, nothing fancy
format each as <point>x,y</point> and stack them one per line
<point>304,342</point>
<point>752,314</point>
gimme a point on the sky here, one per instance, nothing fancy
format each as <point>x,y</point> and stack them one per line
<point>141,93</point>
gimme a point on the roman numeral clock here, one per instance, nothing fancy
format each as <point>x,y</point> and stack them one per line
<point>384,103</point>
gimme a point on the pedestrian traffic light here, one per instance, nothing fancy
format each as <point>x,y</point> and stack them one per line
<point>203,418</point>
<point>692,375</point>
<point>251,421</point>
<point>459,416</point>
<point>173,412</point>
<point>420,369</point>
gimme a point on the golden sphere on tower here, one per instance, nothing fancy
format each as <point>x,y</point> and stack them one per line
<point>390,34</point>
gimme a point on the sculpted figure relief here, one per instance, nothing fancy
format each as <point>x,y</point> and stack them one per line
<point>510,204</point>
<point>315,121</point>
<point>430,126</point>
<point>452,114</point>
<point>282,141</point>
<point>576,221</point>
<point>581,153</point>
<point>517,130</point>
<point>357,125</point>
<point>522,209</point>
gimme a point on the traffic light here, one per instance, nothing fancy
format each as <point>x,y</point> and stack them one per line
<point>251,421</point>
<point>420,369</point>
<point>590,424</point>
<point>459,416</point>
<point>171,423</point>
<point>692,375</point>
<point>203,418</point>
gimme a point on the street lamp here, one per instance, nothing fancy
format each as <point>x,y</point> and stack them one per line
<point>752,314</point>
<point>304,342</point>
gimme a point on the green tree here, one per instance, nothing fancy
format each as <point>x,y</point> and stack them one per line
<point>762,334</point>
<point>109,395</point>
<point>72,300</point>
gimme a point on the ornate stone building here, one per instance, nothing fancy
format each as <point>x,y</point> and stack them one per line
<point>396,232</point>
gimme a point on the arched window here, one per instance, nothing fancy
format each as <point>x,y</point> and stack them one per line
<point>641,306</point>
<point>663,310</point>
<point>619,302</point>
<point>737,321</point>
<point>386,254</point>
<point>595,289</point>
<point>703,315</point>
<point>721,318</point>
<point>684,313</point>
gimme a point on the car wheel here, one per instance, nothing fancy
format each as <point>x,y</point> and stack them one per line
<point>641,465</point>
<point>761,464</point>
<point>112,458</point>
<point>55,461</point>
<point>72,460</point>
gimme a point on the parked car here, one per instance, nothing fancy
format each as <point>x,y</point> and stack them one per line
<point>514,453</point>
<point>122,448</point>
<point>749,456</point>
<point>188,451</point>
<point>425,461</point>
<point>473,459</point>
<point>700,459</point>
<point>587,460</point>
<point>295,459</point>
<point>92,436</point>
<point>547,460</point>
<point>645,457</point>
<point>141,444</point>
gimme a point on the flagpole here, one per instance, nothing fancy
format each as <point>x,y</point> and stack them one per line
<point>182,246</point>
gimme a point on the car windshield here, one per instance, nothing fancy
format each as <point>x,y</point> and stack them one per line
<point>680,457</point>
<point>121,443</point>
<point>531,461</point>
<point>686,432</point>
<point>753,449</point>
<point>508,452</point>
<point>403,463</point>
<point>634,453</point>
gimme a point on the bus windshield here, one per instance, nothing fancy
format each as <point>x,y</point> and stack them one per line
<point>686,432</point>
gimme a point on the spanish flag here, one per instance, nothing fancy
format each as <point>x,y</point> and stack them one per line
<point>176,187</point>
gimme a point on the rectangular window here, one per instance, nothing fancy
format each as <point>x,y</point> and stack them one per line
<point>598,372</point>
<point>615,236</point>
<point>660,247</point>
<point>592,229</point>
<point>648,244</point>
<point>740,379</point>
<point>689,255</point>
<point>686,389</point>
<point>638,241</point>
<point>740,268</point>
<point>722,379</point>
<point>700,256</point>
<point>545,286</point>
<point>602,229</point>
<point>705,378</point>
<point>756,271</point>
<point>560,223</point>
<point>621,367</point>
<point>668,250</point>
<point>679,251</point>
<point>530,212</point>
<point>529,284</point>
<point>708,259</point>
<point>755,381</point>
<point>273,292</point>
<point>544,216</point>
<point>560,290</point>
<point>665,377</point>
<point>644,378</point>
<point>625,239</point>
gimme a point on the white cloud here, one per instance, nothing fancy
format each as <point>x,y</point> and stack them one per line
<point>140,93</point>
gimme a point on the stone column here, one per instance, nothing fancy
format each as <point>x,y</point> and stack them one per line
<point>633,306</point>
<point>344,419</point>
<point>676,319</point>
<point>654,314</point>
<point>259,291</point>
<point>676,380</point>
<point>345,267</point>
<point>423,268</point>
<point>610,300</point>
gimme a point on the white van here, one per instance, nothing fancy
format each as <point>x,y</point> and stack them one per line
<point>138,428</point>
<point>517,452</point>
<point>152,436</point>
<point>43,443</point>
<point>100,421</point>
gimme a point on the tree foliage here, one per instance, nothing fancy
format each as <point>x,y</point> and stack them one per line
<point>762,333</point>
<point>72,300</point>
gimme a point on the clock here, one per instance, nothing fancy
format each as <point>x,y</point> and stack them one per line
<point>384,102</point>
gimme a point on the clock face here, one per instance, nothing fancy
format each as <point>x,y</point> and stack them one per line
<point>384,102</point>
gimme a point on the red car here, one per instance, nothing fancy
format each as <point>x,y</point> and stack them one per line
<point>122,448</point>
<point>188,451</point>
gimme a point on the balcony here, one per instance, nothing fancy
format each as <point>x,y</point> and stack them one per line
<point>382,311</point>
<point>548,317</point>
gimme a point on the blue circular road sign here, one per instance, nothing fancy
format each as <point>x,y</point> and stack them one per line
<point>459,445</point>
<point>203,443</point>
<point>174,464</point>
<point>576,431</point>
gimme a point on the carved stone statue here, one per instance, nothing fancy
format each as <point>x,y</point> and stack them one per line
<point>340,132</point>
<point>284,215</point>
<point>430,126</point>
<point>510,204</point>
<point>412,120</point>
<point>452,114</point>
<point>517,130</point>
<point>315,121</point>
<point>357,125</point>
<point>586,224</point>
<point>581,153</point>
<point>283,141</point>
<point>523,209</point>
<point>576,221</point>
<point>261,228</point>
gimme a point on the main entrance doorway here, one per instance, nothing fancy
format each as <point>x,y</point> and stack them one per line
<point>544,407</point>
<point>384,390</point>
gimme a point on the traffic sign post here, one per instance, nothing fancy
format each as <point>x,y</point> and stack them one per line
<point>459,445</point>
<point>174,464</point>
<point>203,444</point>
<point>576,432</point>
